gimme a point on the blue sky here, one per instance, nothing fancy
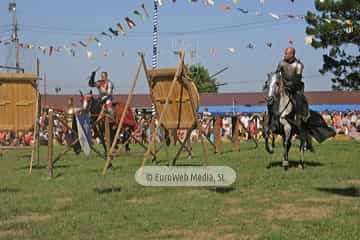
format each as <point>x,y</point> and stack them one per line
<point>181,25</point>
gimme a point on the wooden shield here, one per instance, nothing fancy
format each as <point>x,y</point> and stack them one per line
<point>183,103</point>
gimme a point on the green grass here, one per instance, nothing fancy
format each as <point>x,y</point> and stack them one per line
<point>320,202</point>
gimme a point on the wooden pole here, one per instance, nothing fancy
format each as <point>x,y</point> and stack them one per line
<point>128,102</point>
<point>235,133</point>
<point>217,134</point>
<point>35,150</point>
<point>107,141</point>
<point>50,144</point>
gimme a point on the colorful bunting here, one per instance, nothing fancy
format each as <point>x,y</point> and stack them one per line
<point>232,50</point>
<point>82,44</point>
<point>131,24</point>
<point>242,10</point>
<point>89,54</point>
<point>144,9</point>
<point>273,15</point>
<point>225,7</point>
<point>115,33</point>
<point>106,34</point>
<point>121,29</point>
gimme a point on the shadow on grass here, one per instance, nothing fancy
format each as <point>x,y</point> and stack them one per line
<point>346,192</point>
<point>45,166</point>
<point>222,189</point>
<point>107,190</point>
<point>9,190</point>
<point>294,164</point>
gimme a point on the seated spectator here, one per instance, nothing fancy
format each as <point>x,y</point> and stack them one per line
<point>2,137</point>
<point>28,138</point>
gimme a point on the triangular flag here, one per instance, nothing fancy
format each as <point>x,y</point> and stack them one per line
<point>213,51</point>
<point>205,3</point>
<point>51,50</point>
<point>107,35</point>
<point>121,29</point>
<point>131,24</point>
<point>224,7</point>
<point>98,42</point>
<point>144,9</point>
<point>82,44</point>
<point>90,40</point>
<point>232,50</point>
<point>89,54</point>
<point>274,16</point>
<point>242,10</point>
<point>250,45</point>
<point>116,33</point>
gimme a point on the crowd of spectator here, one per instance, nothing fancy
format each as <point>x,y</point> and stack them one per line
<point>249,125</point>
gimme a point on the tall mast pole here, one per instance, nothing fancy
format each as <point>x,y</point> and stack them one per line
<point>155,36</point>
<point>155,45</point>
<point>14,35</point>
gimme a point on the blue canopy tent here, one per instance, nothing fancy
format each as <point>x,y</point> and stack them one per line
<point>225,109</point>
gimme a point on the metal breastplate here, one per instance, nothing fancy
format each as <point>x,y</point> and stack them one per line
<point>290,71</point>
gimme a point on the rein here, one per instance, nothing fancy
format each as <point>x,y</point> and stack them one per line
<point>282,111</point>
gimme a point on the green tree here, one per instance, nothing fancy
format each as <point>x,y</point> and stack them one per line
<point>200,75</point>
<point>335,27</point>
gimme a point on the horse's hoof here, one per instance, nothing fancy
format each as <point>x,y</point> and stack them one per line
<point>268,166</point>
<point>286,168</point>
<point>189,157</point>
<point>301,166</point>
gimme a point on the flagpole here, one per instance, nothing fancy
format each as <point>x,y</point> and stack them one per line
<point>155,36</point>
<point>155,45</point>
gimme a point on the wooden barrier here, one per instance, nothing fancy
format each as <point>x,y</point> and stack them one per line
<point>217,134</point>
<point>235,133</point>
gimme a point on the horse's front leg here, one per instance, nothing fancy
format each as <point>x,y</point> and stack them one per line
<point>286,142</point>
<point>302,150</point>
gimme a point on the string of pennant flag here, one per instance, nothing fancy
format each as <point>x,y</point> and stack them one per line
<point>120,29</point>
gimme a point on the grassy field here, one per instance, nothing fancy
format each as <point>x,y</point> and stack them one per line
<point>320,202</point>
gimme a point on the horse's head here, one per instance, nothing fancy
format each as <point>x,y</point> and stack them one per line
<point>272,85</point>
<point>86,101</point>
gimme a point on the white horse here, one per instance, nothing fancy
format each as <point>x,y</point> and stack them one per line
<point>289,123</point>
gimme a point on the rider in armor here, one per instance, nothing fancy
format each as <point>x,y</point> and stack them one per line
<point>105,87</point>
<point>291,70</point>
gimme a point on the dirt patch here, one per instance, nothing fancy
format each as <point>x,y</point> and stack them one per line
<point>214,233</point>
<point>232,211</point>
<point>194,192</point>
<point>354,182</point>
<point>286,211</point>
<point>61,203</point>
<point>327,200</point>
<point>141,200</point>
<point>11,233</point>
<point>24,219</point>
<point>233,200</point>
